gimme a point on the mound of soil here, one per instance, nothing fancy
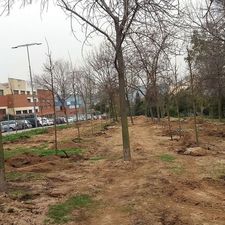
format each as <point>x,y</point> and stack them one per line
<point>25,160</point>
<point>216,133</point>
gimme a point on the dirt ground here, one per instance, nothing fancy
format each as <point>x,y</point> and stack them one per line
<point>159,186</point>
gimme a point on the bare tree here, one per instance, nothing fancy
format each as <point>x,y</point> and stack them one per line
<point>62,84</point>
<point>190,64</point>
<point>49,68</point>
<point>104,75</point>
<point>75,93</point>
<point>150,48</point>
<point>114,19</point>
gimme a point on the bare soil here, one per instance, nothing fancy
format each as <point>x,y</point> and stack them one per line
<point>158,187</point>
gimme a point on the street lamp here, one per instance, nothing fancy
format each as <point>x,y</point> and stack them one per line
<point>31,79</point>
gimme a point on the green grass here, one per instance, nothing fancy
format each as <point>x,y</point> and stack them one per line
<point>61,212</point>
<point>60,152</point>
<point>167,158</point>
<point>23,135</point>
<point>64,126</point>
<point>41,151</point>
<point>177,169</point>
<point>96,158</point>
<point>17,176</point>
<point>20,194</point>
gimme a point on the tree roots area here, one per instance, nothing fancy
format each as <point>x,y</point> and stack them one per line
<point>167,182</point>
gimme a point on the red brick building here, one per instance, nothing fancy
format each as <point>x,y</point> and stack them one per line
<point>16,99</point>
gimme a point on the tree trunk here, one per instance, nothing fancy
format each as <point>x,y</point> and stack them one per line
<point>2,165</point>
<point>178,115</point>
<point>193,98</point>
<point>151,113</point>
<point>65,111</point>
<point>219,108</point>
<point>54,111</point>
<point>201,108</point>
<point>120,66</point>
<point>76,112</point>
<point>112,111</point>
<point>148,108</point>
<point>129,108</point>
<point>169,122</point>
<point>158,112</point>
<point>85,110</point>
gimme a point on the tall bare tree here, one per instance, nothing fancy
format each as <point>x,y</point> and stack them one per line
<point>62,84</point>
<point>193,94</point>
<point>104,74</point>
<point>114,19</point>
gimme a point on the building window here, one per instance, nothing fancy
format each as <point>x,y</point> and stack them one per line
<point>22,92</point>
<point>30,110</point>
<point>15,92</point>
<point>24,111</point>
<point>28,92</point>
<point>18,112</point>
<point>29,100</point>
<point>1,92</point>
<point>36,110</point>
<point>2,111</point>
<point>34,92</point>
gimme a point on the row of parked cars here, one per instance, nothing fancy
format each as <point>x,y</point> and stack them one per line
<point>13,125</point>
<point>20,124</point>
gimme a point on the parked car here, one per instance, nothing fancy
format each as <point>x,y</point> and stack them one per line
<point>32,122</point>
<point>60,120</point>
<point>43,121</point>
<point>9,125</point>
<point>23,124</point>
<point>50,122</point>
<point>4,129</point>
<point>71,119</point>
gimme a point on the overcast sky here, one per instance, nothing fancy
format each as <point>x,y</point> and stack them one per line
<point>26,26</point>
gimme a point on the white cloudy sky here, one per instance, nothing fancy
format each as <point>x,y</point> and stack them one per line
<point>26,26</point>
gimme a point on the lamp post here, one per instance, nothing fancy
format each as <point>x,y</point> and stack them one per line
<point>31,78</point>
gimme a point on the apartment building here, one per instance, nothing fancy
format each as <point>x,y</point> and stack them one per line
<point>16,99</point>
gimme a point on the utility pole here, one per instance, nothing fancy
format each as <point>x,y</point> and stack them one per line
<point>31,78</point>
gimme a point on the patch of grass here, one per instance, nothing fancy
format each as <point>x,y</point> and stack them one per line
<point>96,158</point>
<point>14,152</point>
<point>17,176</point>
<point>42,151</point>
<point>218,171</point>
<point>60,152</point>
<point>177,169</point>
<point>23,135</point>
<point>20,194</point>
<point>64,126</point>
<point>61,212</point>
<point>167,158</point>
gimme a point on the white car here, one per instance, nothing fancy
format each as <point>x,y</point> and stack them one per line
<point>70,119</point>
<point>43,121</point>
<point>50,122</point>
